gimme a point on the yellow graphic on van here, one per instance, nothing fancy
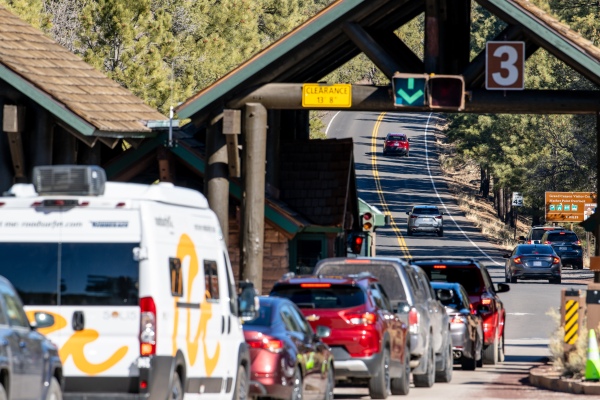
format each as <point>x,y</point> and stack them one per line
<point>74,347</point>
<point>186,249</point>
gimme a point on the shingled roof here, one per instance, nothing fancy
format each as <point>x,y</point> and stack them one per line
<point>65,85</point>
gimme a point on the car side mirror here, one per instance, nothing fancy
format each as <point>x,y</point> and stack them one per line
<point>408,213</point>
<point>401,307</point>
<point>502,287</point>
<point>505,255</point>
<point>248,303</point>
<point>323,331</point>
<point>42,320</point>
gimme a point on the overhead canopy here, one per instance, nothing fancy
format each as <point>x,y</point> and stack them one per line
<point>349,27</point>
<point>74,92</point>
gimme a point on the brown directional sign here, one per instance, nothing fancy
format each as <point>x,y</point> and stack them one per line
<point>505,66</point>
<point>569,206</point>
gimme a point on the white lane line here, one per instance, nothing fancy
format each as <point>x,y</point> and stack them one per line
<point>440,198</point>
<point>329,124</point>
<point>519,313</point>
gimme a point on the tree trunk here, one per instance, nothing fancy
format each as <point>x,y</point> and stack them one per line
<point>501,204</point>
<point>484,183</point>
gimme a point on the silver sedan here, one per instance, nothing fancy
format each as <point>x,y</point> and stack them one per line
<point>532,261</point>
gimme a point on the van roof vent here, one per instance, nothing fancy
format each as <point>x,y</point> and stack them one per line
<point>75,180</point>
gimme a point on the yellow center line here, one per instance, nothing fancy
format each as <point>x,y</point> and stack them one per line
<point>386,210</point>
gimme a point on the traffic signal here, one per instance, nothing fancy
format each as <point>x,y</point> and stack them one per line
<point>409,89</point>
<point>356,243</point>
<point>367,222</point>
<point>446,92</point>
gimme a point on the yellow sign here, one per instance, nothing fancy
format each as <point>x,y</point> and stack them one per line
<point>569,206</point>
<point>315,95</point>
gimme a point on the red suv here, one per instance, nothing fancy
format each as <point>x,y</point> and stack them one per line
<point>368,341</point>
<point>396,143</point>
<point>482,293</point>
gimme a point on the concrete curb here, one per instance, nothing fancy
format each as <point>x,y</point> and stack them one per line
<point>546,377</point>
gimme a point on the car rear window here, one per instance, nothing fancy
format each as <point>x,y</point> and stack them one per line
<point>536,234</point>
<point>335,296</point>
<point>469,277</point>
<point>534,250</point>
<point>400,138</point>
<point>426,211</point>
<point>562,237</point>
<point>263,318</point>
<point>385,273</point>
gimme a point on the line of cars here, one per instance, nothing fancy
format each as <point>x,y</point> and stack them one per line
<point>374,322</point>
<point>543,253</point>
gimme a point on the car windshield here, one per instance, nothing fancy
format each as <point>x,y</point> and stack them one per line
<point>426,211</point>
<point>263,318</point>
<point>400,138</point>
<point>562,237</point>
<point>534,250</point>
<point>335,296</point>
<point>469,277</point>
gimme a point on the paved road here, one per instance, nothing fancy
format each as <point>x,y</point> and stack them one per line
<point>394,184</point>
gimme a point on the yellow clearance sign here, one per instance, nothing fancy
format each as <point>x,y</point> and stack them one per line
<point>569,206</point>
<point>315,95</point>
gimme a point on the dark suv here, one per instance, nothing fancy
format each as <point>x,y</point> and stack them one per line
<point>535,234</point>
<point>566,245</point>
<point>368,341</point>
<point>477,282</point>
<point>416,304</point>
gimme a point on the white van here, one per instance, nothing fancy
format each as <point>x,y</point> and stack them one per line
<point>132,282</point>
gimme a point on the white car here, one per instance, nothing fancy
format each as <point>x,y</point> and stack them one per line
<point>425,219</point>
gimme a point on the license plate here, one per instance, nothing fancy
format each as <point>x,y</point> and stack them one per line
<point>537,263</point>
<point>562,248</point>
<point>396,144</point>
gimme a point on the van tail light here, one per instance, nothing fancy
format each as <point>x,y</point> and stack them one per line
<point>366,318</point>
<point>555,260</point>
<point>413,321</point>
<point>266,342</point>
<point>147,327</point>
<point>517,260</point>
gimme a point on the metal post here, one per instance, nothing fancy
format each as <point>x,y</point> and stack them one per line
<point>597,228</point>
<point>216,182</point>
<point>255,127</point>
<point>516,219</point>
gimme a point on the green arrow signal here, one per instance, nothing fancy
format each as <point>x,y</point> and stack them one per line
<point>408,96</point>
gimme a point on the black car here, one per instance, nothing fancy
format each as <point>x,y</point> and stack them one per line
<point>289,361</point>
<point>30,365</point>
<point>466,325</point>
<point>567,246</point>
<point>532,261</point>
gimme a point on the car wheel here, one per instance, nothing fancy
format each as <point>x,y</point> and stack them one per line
<point>330,384</point>
<point>380,384</point>
<point>555,280</point>
<point>297,390</point>
<point>176,390</point>
<point>441,232</point>
<point>480,361</point>
<point>3,395</point>
<point>241,384</point>
<point>501,350</point>
<point>401,386</point>
<point>409,232</point>
<point>490,353</point>
<point>506,278</point>
<point>445,375</point>
<point>407,154</point>
<point>513,279</point>
<point>428,378</point>
<point>54,391</point>
<point>468,364</point>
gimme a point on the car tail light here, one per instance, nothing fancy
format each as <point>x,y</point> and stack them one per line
<point>459,319</point>
<point>517,260</point>
<point>578,242</point>
<point>315,285</point>
<point>555,260</point>
<point>414,216</point>
<point>360,318</point>
<point>439,266</point>
<point>547,242</point>
<point>529,241</point>
<point>266,342</point>
<point>147,327</point>
<point>472,309</point>
<point>438,217</point>
<point>413,321</point>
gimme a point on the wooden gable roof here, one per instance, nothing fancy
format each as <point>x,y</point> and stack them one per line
<point>66,86</point>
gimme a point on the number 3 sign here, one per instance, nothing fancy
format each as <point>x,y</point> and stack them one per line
<point>505,65</point>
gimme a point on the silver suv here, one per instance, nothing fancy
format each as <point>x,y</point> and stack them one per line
<point>536,232</point>
<point>425,219</point>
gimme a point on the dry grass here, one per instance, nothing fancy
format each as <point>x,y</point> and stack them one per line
<point>570,364</point>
